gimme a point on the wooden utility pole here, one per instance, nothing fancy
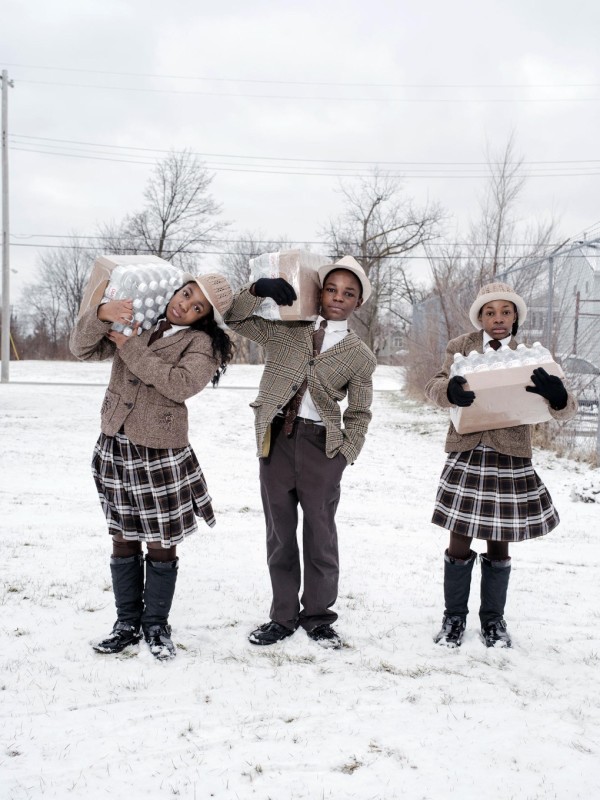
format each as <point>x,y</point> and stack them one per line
<point>5,248</point>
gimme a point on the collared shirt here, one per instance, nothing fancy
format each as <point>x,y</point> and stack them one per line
<point>174,329</point>
<point>487,339</point>
<point>334,333</point>
<point>170,331</point>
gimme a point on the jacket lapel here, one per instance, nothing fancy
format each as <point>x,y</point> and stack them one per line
<point>165,341</point>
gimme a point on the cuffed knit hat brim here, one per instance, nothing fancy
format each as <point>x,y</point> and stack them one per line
<point>217,291</point>
<point>351,264</point>
<point>496,291</point>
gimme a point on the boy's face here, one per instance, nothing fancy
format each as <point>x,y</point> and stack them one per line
<point>188,305</point>
<point>498,318</point>
<point>340,295</point>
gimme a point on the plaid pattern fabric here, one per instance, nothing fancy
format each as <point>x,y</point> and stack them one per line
<point>148,494</point>
<point>488,495</point>
<point>345,370</point>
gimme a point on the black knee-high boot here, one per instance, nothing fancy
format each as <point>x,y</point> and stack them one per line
<point>457,586</point>
<point>494,587</point>
<point>128,586</point>
<point>161,577</point>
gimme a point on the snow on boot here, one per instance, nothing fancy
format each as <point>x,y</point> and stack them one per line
<point>121,637</point>
<point>160,642</point>
<point>128,586</point>
<point>457,586</point>
<point>451,632</point>
<point>495,634</point>
<point>494,587</point>
<point>161,577</point>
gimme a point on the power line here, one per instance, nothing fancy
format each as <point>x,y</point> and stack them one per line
<point>100,237</point>
<point>326,98</point>
<point>267,170</point>
<point>410,257</point>
<point>17,136</point>
<point>315,83</point>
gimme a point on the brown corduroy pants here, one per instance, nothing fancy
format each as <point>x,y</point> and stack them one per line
<point>297,471</point>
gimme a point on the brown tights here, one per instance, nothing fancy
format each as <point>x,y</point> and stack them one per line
<point>122,548</point>
<point>460,547</point>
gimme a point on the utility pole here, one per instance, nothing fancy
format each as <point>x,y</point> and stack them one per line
<point>576,323</point>
<point>550,309</point>
<point>5,248</point>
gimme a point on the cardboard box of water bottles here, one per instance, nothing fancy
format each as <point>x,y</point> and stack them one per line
<point>498,379</point>
<point>147,280</point>
<point>298,267</point>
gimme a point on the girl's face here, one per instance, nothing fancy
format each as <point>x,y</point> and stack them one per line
<point>498,318</point>
<point>188,305</point>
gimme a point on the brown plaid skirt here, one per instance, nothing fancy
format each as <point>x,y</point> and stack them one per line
<point>488,495</point>
<point>149,494</point>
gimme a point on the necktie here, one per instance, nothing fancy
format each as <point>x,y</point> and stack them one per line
<point>495,344</point>
<point>293,406</point>
<point>163,326</point>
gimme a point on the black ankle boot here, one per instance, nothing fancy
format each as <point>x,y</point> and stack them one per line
<point>457,586</point>
<point>128,586</point>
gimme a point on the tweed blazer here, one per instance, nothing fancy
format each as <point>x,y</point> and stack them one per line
<point>148,385</point>
<point>510,441</point>
<point>346,369</point>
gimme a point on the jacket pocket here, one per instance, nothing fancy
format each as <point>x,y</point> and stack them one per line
<point>109,405</point>
<point>165,416</point>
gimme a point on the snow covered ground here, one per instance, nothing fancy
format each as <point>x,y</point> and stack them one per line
<point>389,716</point>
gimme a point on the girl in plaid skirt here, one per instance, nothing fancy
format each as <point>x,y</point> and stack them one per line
<point>148,478</point>
<point>488,488</point>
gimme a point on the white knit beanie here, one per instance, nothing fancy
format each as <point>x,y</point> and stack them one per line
<point>217,290</point>
<point>496,291</point>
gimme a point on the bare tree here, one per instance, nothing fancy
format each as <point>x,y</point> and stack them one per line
<point>180,218</point>
<point>53,301</point>
<point>497,244</point>
<point>235,263</point>
<point>381,228</point>
<point>497,241</point>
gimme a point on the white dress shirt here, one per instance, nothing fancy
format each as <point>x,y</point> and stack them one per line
<point>487,339</point>
<point>334,333</point>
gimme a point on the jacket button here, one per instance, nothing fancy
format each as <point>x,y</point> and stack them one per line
<point>135,381</point>
<point>128,405</point>
<point>311,362</point>
<point>295,387</point>
<point>280,405</point>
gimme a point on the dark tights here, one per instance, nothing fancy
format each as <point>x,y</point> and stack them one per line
<point>122,548</point>
<point>460,547</point>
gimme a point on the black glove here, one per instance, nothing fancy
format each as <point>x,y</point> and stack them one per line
<point>550,387</point>
<point>457,395</point>
<point>279,289</point>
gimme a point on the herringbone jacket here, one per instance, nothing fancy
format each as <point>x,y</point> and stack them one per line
<point>510,441</point>
<point>346,369</point>
<point>148,385</point>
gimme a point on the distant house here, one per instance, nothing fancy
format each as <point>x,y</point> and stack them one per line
<point>574,306</point>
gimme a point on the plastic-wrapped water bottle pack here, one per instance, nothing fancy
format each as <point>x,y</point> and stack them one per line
<point>149,286</point>
<point>504,358</point>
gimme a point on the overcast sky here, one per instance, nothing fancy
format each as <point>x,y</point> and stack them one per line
<point>262,88</point>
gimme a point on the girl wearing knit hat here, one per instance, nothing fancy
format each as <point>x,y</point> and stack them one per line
<point>488,488</point>
<point>148,478</point>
